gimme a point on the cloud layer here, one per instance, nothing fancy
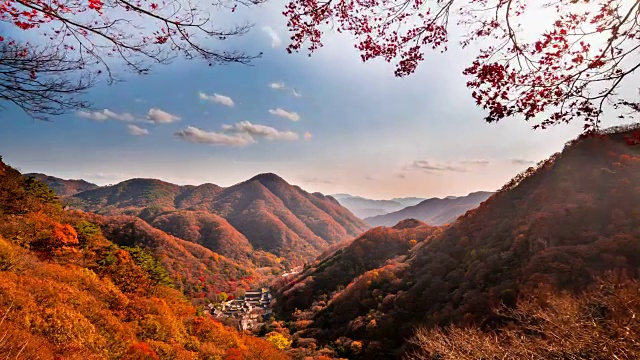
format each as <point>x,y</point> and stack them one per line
<point>267,132</point>
<point>273,35</point>
<point>320,180</point>
<point>217,98</point>
<point>522,162</point>
<point>154,115</point>
<point>195,135</point>
<point>428,166</point>
<point>158,116</point>
<point>106,114</point>
<point>278,86</point>
<point>282,86</point>
<point>239,134</point>
<point>289,115</point>
<point>136,130</point>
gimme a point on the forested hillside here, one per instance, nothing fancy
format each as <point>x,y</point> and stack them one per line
<point>263,220</point>
<point>63,187</point>
<point>68,292</point>
<point>557,225</point>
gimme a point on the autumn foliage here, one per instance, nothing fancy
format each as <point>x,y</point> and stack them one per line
<point>550,62</point>
<point>264,220</point>
<point>600,323</point>
<point>557,226</point>
<point>79,41</point>
<point>67,292</point>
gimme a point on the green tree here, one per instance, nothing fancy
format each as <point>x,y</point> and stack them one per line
<point>157,273</point>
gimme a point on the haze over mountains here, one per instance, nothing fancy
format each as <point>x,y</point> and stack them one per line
<point>363,207</point>
<point>434,211</point>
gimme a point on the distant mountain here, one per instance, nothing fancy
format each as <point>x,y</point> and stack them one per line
<point>363,207</point>
<point>556,227</point>
<point>63,187</point>
<point>433,211</point>
<point>264,213</point>
<point>409,201</point>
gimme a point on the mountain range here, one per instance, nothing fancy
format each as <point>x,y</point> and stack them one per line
<point>363,207</point>
<point>81,286</point>
<point>63,187</point>
<point>434,211</point>
<point>556,227</point>
<point>258,219</point>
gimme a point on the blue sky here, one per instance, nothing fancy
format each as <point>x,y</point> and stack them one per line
<point>367,132</point>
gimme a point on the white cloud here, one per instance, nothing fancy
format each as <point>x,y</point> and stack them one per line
<point>479,162</point>
<point>293,116</point>
<point>136,130</point>
<point>239,134</point>
<point>282,86</point>
<point>275,38</point>
<point>308,136</point>
<point>320,180</point>
<point>522,162</point>
<point>106,114</point>
<point>269,133</point>
<point>93,115</point>
<point>277,86</point>
<point>429,167</point>
<point>434,166</point>
<point>217,98</point>
<point>159,116</point>
<point>195,135</point>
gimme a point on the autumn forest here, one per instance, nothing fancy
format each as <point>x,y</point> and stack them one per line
<point>447,180</point>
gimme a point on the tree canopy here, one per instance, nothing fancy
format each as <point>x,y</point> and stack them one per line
<point>85,39</point>
<point>551,61</point>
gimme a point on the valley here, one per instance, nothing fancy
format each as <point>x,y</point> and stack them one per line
<point>264,260</point>
<point>185,180</point>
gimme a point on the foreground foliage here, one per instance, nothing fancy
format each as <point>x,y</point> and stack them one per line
<point>551,61</point>
<point>601,323</point>
<point>68,292</point>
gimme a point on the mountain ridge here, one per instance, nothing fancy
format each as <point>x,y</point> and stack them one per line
<point>272,214</point>
<point>556,227</point>
<point>63,187</point>
<point>433,211</point>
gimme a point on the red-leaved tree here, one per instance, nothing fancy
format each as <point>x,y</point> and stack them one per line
<point>549,61</point>
<point>86,38</point>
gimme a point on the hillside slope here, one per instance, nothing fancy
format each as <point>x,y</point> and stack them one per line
<point>433,211</point>
<point>368,251</point>
<point>264,213</point>
<point>63,187</point>
<point>560,224</point>
<point>68,292</point>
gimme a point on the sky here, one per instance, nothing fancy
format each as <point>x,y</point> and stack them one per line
<point>327,123</point>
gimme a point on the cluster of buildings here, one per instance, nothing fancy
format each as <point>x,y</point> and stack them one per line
<point>248,311</point>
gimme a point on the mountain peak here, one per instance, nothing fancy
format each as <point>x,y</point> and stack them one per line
<point>267,177</point>
<point>408,224</point>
